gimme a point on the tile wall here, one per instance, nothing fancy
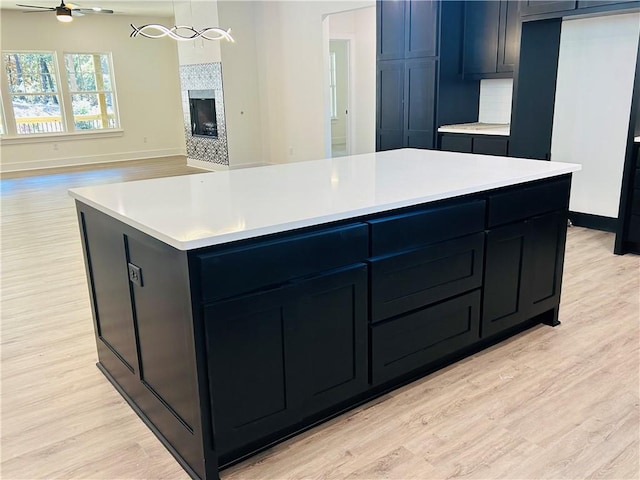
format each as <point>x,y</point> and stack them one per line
<point>495,100</point>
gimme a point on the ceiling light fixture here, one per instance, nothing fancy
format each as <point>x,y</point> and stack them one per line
<point>181,33</point>
<point>63,15</point>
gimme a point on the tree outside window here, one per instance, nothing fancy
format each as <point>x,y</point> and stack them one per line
<point>33,88</point>
<point>91,90</point>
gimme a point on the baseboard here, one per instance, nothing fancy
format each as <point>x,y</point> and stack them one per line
<point>6,167</point>
<point>595,222</point>
<point>192,162</point>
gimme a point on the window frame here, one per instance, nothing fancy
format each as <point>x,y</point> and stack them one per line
<point>112,92</point>
<point>11,135</point>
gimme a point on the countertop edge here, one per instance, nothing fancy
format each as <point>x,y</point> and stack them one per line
<point>316,221</point>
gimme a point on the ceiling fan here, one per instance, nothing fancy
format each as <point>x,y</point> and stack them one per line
<point>66,11</point>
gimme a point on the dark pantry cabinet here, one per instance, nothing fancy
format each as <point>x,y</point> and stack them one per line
<point>406,73</point>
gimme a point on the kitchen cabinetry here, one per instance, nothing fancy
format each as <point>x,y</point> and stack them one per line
<point>482,144</point>
<point>523,267</point>
<point>491,38</point>
<point>229,343</point>
<point>268,361</point>
<point>406,74</point>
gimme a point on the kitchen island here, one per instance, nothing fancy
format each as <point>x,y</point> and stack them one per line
<point>235,309</point>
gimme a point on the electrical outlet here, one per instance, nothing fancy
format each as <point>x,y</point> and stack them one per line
<point>144,139</point>
<point>55,146</point>
<point>290,150</point>
<point>135,274</point>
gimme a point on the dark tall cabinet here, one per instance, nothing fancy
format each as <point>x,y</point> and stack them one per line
<point>406,77</point>
<point>419,77</point>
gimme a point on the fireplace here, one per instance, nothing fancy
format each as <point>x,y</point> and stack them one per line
<point>202,108</point>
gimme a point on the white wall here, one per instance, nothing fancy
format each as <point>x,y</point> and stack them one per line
<point>147,83</point>
<point>197,14</point>
<point>291,82</point>
<point>593,101</point>
<point>340,48</point>
<point>360,27</point>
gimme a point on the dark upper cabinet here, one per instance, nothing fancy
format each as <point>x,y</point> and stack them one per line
<point>421,34</point>
<point>492,38</point>
<point>508,35</point>
<point>391,30</point>
<point>407,29</point>
<point>532,7</point>
<point>481,37</point>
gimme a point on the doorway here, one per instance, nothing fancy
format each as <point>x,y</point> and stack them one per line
<point>339,55</point>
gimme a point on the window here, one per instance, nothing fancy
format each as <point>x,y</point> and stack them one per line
<point>332,85</point>
<point>47,99</point>
<point>33,88</point>
<point>91,90</point>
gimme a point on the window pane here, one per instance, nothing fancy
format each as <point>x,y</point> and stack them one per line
<point>93,111</point>
<point>37,113</point>
<point>30,72</point>
<point>88,74</point>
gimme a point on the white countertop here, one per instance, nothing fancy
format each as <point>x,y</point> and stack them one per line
<point>200,210</point>
<point>636,139</point>
<point>478,128</point>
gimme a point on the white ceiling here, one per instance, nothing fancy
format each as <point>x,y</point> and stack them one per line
<point>121,7</point>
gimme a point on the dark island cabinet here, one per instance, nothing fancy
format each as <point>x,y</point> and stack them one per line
<point>278,356</point>
<point>491,38</point>
<point>228,349</point>
<point>524,258</point>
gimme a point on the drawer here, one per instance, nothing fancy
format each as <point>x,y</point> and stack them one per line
<point>431,225</point>
<point>411,280</point>
<point>414,341</point>
<point>230,272</point>
<point>489,145</point>
<point>456,143</point>
<point>521,203</point>
<point>636,182</point>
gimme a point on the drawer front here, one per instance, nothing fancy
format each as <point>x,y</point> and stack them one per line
<point>456,143</point>
<point>410,230</point>
<point>420,338</point>
<point>529,201</point>
<point>232,272</point>
<point>491,145</point>
<point>411,280</point>
<point>634,229</point>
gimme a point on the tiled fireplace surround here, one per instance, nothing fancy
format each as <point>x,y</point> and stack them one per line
<point>205,76</point>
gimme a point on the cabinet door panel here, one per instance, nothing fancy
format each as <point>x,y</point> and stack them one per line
<point>598,3</point>
<point>545,260</point>
<point>391,36</point>
<point>247,373</point>
<point>509,35</point>
<point>420,81</point>
<point>326,340</point>
<point>422,31</point>
<point>390,99</point>
<point>111,299</point>
<point>504,273</point>
<point>481,37</point>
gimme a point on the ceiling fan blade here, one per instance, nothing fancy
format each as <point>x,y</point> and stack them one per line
<point>36,6</point>
<point>92,10</point>
<point>76,13</point>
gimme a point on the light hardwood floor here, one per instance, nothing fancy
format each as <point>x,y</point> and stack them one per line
<point>550,403</point>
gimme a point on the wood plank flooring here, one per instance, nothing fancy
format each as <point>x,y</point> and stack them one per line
<point>549,403</point>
